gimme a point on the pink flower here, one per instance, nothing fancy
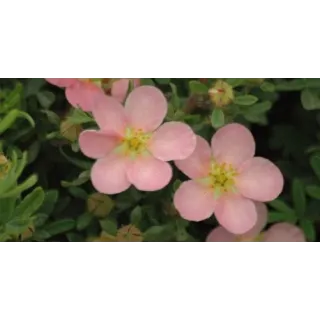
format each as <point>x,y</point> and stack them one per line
<point>132,147</point>
<point>279,232</point>
<point>84,93</point>
<point>226,180</point>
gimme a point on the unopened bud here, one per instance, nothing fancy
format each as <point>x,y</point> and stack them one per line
<point>221,94</point>
<point>70,131</point>
<point>100,205</point>
<point>129,233</point>
<point>4,166</point>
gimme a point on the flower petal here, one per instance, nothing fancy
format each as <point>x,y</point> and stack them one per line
<point>120,88</point>
<point>233,144</point>
<point>62,82</point>
<point>146,107</point>
<point>84,95</point>
<point>198,164</point>
<point>147,173</point>
<point>220,234</point>
<point>284,232</point>
<point>97,144</point>
<point>260,180</point>
<point>110,115</point>
<point>172,141</point>
<point>236,214</point>
<point>194,202</point>
<point>262,218</point>
<point>108,175</point>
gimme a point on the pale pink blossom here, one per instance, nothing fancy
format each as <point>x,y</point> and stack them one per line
<point>279,232</point>
<point>226,180</point>
<point>131,146</point>
<point>84,93</point>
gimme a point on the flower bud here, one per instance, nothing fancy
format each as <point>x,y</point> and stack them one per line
<point>221,94</point>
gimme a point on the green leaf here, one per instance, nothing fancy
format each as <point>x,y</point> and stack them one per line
<point>136,216</point>
<point>109,226</point>
<point>276,216</point>
<point>245,100</point>
<point>268,87</point>
<point>146,82</point>
<point>315,164</point>
<point>46,99</point>
<point>217,118</point>
<point>160,233</point>
<point>41,235</point>
<point>83,178</point>
<point>78,193</point>
<point>313,83</point>
<point>79,163</point>
<point>309,230</point>
<point>7,207</point>
<point>61,226</point>
<point>259,108</point>
<point>30,182</point>
<point>83,221</point>
<point>299,197</point>
<point>291,85</point>
<point>52,117</point>
<point>40,220</point>
<point>281,206</point>
<point>31,203</point>
<point>196,87</point>
<point>33,86</point>
<point>235,82</point>
<point>8,121</point>
<point>313,191</point>
<point>310,99</point>
<point>17,226</point>
<point>49,202</point>
<point>163,80</point>
<point>175,100</point>
<point>78,116</point>
<point>33,151</point>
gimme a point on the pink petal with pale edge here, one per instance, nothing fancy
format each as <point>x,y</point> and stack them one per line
<point>108,175</point>
<point>110,115</point>
<point>172,141</point>
<point>147,173</point>
<point>262,217</point>
<point>233,144</point>
<point>96,144</point>
<point>194,202</point>
<point>284,232</point>
<point>146,108</point>
<point>260,180</point>
<point>62,82</point>
<point>120,88</point>
<point>84,95</point>
<point>220,234</point>
<point>198,164</point>
<point>236,214</point>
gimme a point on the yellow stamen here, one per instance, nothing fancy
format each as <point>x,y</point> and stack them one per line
<point>135,142</point>
<point>221,178</point>
<point>258,238</point>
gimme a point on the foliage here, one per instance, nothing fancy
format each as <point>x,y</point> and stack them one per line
<point>45,188</point>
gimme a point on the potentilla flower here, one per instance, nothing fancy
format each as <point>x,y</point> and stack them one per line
<point>226,180</point>
<point>132,147</point>
<point>279,232</point>
<point>83,93</point>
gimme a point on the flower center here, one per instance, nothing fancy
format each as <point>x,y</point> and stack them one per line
<point>221,178</point>
<point>258,238</point>
<point>96,81</point>
<point>135,142</point>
